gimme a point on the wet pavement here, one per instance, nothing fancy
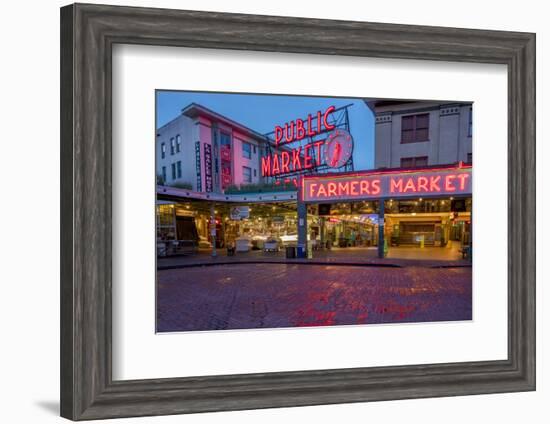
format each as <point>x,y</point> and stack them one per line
<point>272,295</point>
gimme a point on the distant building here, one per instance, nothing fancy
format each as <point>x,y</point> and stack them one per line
<point>207,152</point>
<point>421,133</point>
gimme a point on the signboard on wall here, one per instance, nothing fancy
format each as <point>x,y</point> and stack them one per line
<point>389,184</point>
<point>208,168</point>
<point>225,151</point>
<point>198,165</point>
<point>239,212</point>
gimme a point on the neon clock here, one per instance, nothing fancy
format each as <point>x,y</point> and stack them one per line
<point>338,148</point>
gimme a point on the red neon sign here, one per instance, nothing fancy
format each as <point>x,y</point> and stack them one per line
<point>285,160</point>
<point>299,129</point>
<point>297,159</point>
<point>396,184</point>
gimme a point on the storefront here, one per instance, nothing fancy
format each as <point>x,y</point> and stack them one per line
<point>194,223</point>
<point>429,206</point>
<point>328,206</point>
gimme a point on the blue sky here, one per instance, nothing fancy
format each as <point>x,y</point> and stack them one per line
<point>261,112</point>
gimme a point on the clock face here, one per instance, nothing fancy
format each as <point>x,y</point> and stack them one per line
<point>338,148</point>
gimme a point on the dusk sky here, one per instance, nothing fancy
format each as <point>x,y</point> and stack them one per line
<point>261,112</point>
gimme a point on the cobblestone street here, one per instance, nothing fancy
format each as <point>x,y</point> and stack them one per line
<point>241,296</point>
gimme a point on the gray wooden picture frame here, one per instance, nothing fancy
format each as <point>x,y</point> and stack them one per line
<point>88,33</point>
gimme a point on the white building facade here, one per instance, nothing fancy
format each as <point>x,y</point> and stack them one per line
<point>411,134</point>
<point>206,152</point>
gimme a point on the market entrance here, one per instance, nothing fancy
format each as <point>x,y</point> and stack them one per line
<point>343,225</point>
<point>409,214</point>
<point>201,227</point>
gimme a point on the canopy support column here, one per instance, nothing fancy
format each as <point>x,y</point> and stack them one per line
<point>381,211</point>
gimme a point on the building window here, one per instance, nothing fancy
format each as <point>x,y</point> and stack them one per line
<point>254,149</point>
<point>247,150</point>
<point>173,171</point>
<point>225,139</point>
<point>470,123</point>
<point>255,173</point>
<point>172,146</point>
<point>178,168</point>
<point>414,162</point>
<point>164,175</point>
<point>469,158</point>
<point>178,143</point>
<point>162,150</point>
<point>415,128</point>
<point>247,174</point>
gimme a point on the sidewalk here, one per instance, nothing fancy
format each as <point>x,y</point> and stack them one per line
<point>430,257</point>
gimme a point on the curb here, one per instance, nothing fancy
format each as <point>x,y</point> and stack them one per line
<point>356,264</point>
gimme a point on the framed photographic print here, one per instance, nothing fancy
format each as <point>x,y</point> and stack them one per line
<point>264,212</point>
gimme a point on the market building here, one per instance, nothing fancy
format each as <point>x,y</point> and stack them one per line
<point>206,152</point>
<point>416,134</point>
<point>223,185</point>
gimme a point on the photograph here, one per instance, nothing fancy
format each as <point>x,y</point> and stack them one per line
<point>286,211</point>
<point>267,212</point>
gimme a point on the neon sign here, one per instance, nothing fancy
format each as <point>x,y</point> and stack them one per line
<point>335,151</point>
<point>299,129</point>
<point>368,185</point>
<point>338,148</point>
<point>293,160</point>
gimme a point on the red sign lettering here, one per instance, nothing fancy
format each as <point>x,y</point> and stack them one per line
<point>275,165</point>
<point>455,181</point>
<point>332,189</point>
<point>396,186</point>
<point>325,118</point>
<point>285,159</point>
<point>449,186</point>
<point>307,157</point>
<point>296,159</point>
<point>434,183</point>
<point>278,134</point>
<point>343,188</point>
<point>375,187</point>
<point>298,129</point>
<point>266,165</point>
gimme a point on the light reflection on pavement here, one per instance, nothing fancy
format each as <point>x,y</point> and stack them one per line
<point>242,296</point>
